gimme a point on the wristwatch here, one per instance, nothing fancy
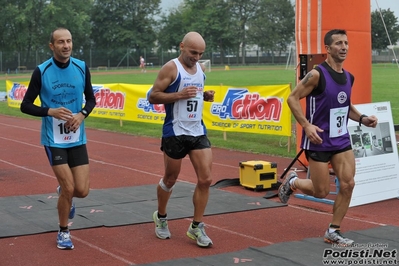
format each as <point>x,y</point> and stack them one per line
<point>361,118</point>
<point>84,112</point>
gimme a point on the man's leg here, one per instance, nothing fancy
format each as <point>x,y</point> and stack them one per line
<point>317,186</point>
<point>343,164</point>
<point>165,186</point>
<point>202,162</point>
<point>66,182</point>
<point>319,183</point>
<point>164,191</point>
<point>81,181</point>
<point>344,168</point>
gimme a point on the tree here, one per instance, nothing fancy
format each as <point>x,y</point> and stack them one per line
<point>231,25</point>
<point>273,26</point>
<point>173,27</point>
<point>379,37</point>
<point>242,11</point>
<point>73,15</point>
<point>26,25</point>
<point>22,30</point>
<point>119,26</point>
<point>213,19</point>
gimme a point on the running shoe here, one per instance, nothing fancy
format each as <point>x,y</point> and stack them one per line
<point>161,226</point>
<point>199,235</point>
<point>336,238</point>
<point>285,190</point>
<point>72,211</point>
<point>64,240</point>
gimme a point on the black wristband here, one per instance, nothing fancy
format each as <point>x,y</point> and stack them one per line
<point>84,112</point>
<point>361,118</point>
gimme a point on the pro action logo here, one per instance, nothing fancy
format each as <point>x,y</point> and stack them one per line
<point>241,104</point>
<point>105,98</point>
<point>17,91</point>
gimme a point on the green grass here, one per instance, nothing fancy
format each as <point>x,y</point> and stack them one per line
<point>384,87</point>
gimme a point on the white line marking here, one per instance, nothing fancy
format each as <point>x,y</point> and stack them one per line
<point>21,142</point>
<point>143,150</point>
<point>26,128</point>
<point>122,146</point>
<point>27,169</point>
<point>100,142</point>
<point>103,251</point>
<point>128,168</point>
<point>346,217</point>
<point>125,167</point>
<point>234,233</point>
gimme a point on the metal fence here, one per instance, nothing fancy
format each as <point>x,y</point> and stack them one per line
<point>15,62</point>
<point>26,61</point>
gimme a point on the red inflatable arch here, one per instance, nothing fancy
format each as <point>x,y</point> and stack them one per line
<point>314,18</point>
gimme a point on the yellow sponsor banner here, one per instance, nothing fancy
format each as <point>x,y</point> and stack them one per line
<point>252,109</point>
<point>16,92</point>
<point>126,102</point>
<point>111,102</point>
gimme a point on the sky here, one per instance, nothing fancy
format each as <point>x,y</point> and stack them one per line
<point>383,4</point>
<point>168,4</point>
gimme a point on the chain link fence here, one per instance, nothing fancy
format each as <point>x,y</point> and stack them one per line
<point>23,61</point>
<point>26,61</point>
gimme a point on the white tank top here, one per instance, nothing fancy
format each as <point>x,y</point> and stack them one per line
<point>187,113</point>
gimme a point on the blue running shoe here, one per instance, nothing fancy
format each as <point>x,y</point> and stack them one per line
<point>64,240</point>
<point>72,211</point>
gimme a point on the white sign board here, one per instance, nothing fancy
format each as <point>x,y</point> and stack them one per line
<point>376,155</point>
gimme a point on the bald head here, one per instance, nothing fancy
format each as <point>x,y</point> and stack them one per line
<point>192,48</point>
<point>192,38</point>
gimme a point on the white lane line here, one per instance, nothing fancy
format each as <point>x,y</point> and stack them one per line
<point>101,142</point>
<point>103,251</point>
<point>26,128</point>
<point>125,167</point>
<point>123,146</point>
<point>329,214</point>
<point>142,150</point>
<point>295,207</point>
<point>234,233</point>
<point>93,160</point>
<point>22,142</point>
<point>27,169</point>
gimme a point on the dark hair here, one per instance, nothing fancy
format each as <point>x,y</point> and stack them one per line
<point>52,33</point>
<point>328,37</point>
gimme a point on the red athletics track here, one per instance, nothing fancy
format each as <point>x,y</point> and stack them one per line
<point>118,160</point>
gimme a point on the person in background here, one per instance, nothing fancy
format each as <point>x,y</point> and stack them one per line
<point>142,64</point>
<point>61,82</point>
<point>325,138</point>
<point>180,87</point>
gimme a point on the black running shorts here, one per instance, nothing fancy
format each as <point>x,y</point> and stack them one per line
<point>74,156</point>
<point>178,147</point>
<point>324,156</point>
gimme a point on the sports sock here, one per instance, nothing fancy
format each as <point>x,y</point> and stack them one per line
<point>161,216</point>
<point>292,182</point>
<point>64,229</point>
<point>332,228</point>
<point>195,224</point>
